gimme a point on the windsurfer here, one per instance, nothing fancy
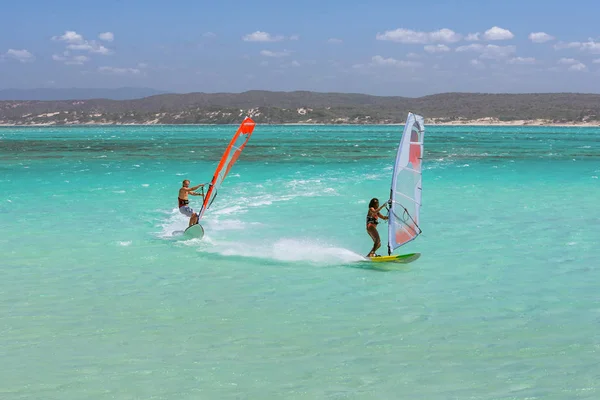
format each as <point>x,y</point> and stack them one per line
<point>183,201</point>
<point>372,216</point>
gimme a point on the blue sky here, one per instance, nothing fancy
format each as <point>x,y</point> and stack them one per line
<point>383,47</point>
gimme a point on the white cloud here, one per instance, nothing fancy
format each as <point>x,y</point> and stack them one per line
<point>578,67</point>
<point>142,65</point>
<point>209,35</point>
<point>438,48</point>
<point>470,47</point>
<point>295,37</point>
<point>563,45</point>
<point>107,36</point>
<point>522,60</point>
<point>497,33</point>
<point>20,55</point>
<point>295,63</point>
<point>590,46</point>
<point>91,47</point>
<point>78,60</point>
<point>477,64</point>
<point>69,37</point>
<point>119,71</point>
<point>335,41</point>
<point>445,36</point>
<point>414,37</point>
<point>472,37</point>
<point>596,61</point>
<point>495,52</point>
<point>70,60</point>
<point>276,54</point>
<point>540,37</point>
<point>259,36</point>
<point>568,61</point>
<point>381,61</point>
<point>574,65</point>
<point>490,51</point>
<point>75,41</point>
<point>413,55</point>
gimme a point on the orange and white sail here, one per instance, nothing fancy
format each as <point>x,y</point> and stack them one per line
<point>232,152</point>
<point>405,192</point>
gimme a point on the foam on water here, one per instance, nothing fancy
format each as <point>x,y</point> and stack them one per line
<point>286,250</point>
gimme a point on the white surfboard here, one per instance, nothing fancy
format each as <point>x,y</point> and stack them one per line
<point>195,231</point>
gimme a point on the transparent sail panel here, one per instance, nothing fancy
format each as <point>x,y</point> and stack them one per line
<point>406,185</point>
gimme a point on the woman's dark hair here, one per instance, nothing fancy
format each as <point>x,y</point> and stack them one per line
<point>373,202</point>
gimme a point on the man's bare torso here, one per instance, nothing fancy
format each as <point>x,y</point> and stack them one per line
<point>183,193</point>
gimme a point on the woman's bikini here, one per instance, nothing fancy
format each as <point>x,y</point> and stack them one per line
<point>371,220</point>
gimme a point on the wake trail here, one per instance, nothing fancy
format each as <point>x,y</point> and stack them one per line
<point>226,234</point>
<point>221,234</point>
<point>290,250</point>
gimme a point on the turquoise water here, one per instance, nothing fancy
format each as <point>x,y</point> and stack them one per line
<point>99,300</point>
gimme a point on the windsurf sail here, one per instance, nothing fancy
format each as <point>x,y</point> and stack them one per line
<point>405,193</point>
<point>232,152</point>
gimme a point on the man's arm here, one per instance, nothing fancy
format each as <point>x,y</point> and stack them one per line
<point>190,190</point>
<point>196,194</point>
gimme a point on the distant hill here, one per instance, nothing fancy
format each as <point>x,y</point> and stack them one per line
<point>308,107</point>
<point>49,94</point>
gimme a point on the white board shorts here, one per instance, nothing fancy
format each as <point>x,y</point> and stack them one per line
<point>186,210</point>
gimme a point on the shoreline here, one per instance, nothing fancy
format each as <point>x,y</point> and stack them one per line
<point>479,122</point>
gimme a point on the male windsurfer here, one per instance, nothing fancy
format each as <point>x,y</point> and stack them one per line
<point>183,201</point>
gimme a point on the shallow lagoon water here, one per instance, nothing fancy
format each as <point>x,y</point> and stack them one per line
<point>99,300</point>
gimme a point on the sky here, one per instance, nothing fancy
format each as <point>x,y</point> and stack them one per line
<point>394,47</point>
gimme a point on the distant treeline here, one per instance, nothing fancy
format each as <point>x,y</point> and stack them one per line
<point>305,107</point>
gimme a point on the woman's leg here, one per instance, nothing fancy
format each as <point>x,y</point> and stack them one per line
<point>372,231</point>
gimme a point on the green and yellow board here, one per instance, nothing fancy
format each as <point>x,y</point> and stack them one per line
<point>400,258</point>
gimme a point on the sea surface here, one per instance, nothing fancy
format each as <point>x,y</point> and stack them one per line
<point>99,299</point>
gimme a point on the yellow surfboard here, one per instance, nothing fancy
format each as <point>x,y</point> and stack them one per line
<point>400,258</point>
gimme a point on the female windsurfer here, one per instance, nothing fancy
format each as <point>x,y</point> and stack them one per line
<point>372,215</point>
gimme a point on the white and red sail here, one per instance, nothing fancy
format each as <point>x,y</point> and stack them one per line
<point>406,185</point>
